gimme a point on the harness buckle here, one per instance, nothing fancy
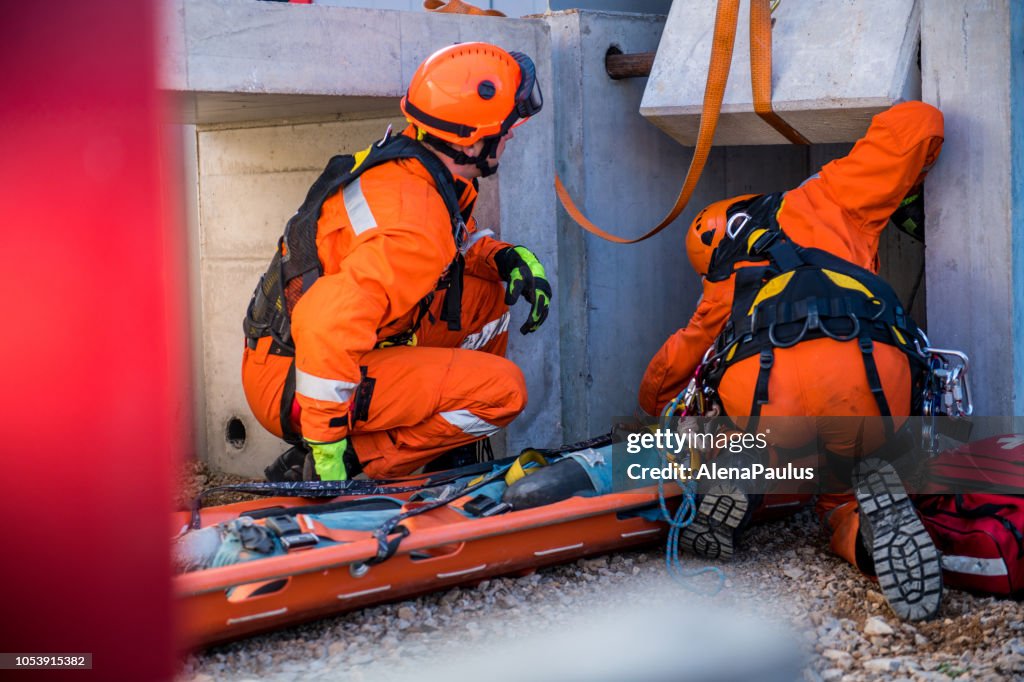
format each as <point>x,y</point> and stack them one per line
<point>767,359</point>
<point>763,242</point>
<point>813,319</point>
<point>461,233</point>
<point>867,346</point>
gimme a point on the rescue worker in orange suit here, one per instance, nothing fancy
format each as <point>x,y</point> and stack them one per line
<point>394,353</point>
<point>839,372</point>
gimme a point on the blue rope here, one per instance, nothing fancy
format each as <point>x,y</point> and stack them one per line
<point>682,518</point>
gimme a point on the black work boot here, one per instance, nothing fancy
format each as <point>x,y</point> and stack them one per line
<point>904,556</point>
<point>288,468</point>
<point>460,456</point>
<point>724,511</point>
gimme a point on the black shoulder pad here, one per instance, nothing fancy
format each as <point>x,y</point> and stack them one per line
<point>760,214</point>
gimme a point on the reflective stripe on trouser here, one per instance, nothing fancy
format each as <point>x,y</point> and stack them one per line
<point>485,319</point>
<point>429,400</point>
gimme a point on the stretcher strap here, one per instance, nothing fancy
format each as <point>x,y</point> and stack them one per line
<point>518,469</point>
<point>714,91</point>
<point>310,489</point>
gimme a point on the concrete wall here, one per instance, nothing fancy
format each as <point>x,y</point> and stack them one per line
<point>1017,195</point>
<point>972,53</point>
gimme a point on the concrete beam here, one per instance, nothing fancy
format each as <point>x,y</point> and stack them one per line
<point>835,65</point>
<point>971,62</point>
<point>237,60</point>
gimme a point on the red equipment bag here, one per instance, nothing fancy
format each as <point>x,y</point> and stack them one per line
<point>993,465</point>
<point>975,514</point>
<point>981,540</point>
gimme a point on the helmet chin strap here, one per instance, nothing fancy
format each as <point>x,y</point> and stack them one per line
<point>489,151</point>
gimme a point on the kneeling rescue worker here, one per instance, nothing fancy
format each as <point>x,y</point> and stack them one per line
<point>375,341</point>
<point>800,324</point>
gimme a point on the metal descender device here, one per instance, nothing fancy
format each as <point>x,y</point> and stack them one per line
<point>947,391</point>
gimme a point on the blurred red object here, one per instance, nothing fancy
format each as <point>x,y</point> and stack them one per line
<point>95,406</point>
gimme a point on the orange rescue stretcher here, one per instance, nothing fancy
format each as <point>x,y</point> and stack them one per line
<point>437,544</point>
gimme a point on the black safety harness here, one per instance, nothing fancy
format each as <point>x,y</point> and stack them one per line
<point>296,263</point>
<point>790,294</point>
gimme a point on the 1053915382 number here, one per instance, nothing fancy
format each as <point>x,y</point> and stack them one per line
<point>45,661</point>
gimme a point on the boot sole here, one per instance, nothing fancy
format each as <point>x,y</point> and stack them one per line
<point>906,560</point>
<point>712,535</point>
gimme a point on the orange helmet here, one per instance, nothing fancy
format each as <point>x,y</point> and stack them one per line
<point>469,91</point>
<point>707,231</point>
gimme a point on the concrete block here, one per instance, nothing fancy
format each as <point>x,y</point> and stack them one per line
<point>237,60</point>
<point>971,55</point>
<point>266,47</point>
<point>835,64</point>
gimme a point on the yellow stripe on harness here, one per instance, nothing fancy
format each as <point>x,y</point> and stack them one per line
<point>774,287</point>
<point>360,157</point>
<point>847,282</point>
<point>754,236</point>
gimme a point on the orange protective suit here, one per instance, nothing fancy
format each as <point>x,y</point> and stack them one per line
<point>842,210</point>
<point>384,242</point>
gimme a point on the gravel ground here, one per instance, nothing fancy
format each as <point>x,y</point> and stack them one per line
<point>785,571</point>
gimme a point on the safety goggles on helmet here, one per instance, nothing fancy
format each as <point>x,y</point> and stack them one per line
<point>529,99</point>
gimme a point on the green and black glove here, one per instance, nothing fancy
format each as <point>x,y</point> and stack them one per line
<point>909,217</point>
<point>329,460</point>
<point>525,276</point>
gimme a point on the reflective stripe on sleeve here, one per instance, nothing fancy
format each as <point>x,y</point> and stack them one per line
<point>323,389</point>
<point>487,334</point>
<point>469,423</point>
<point>359,213</point>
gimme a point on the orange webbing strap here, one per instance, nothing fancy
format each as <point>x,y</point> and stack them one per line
<point>458,7</point>
<point>714,91</point>
<point>761,70</point>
